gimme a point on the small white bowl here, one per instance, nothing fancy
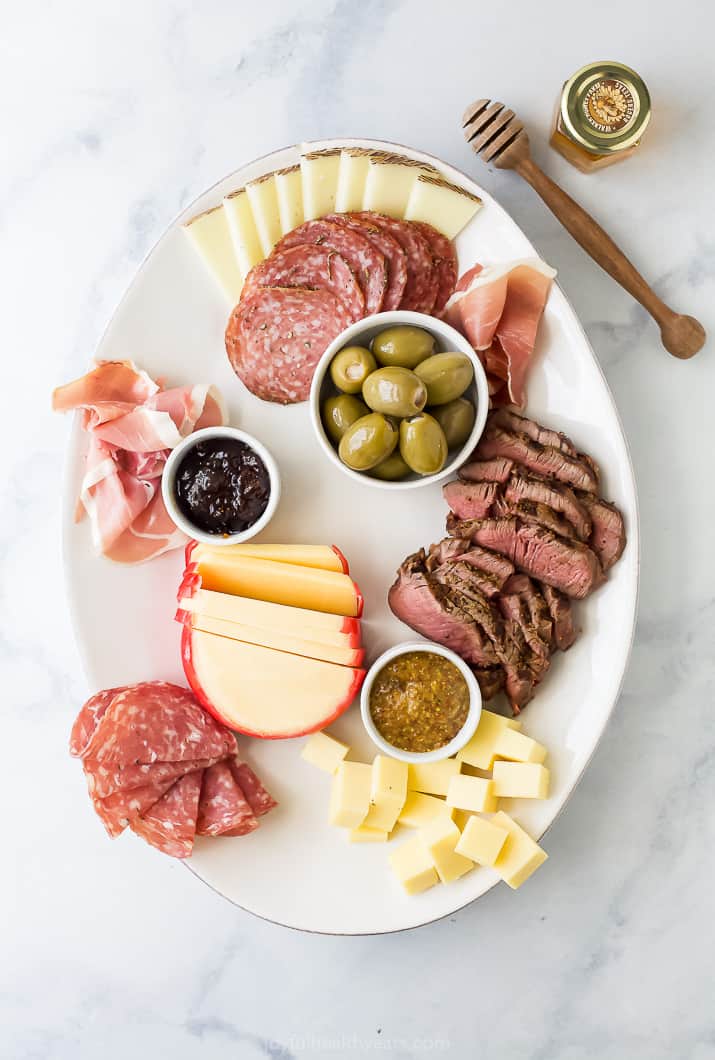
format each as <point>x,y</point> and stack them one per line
<point>168,480</point>
<point>465,733</point>
<point>361,334</point>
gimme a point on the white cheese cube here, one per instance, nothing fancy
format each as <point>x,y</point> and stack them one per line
<point>354,162</point>
<point>472,793</point>
<point>432,778</point>
<point>320,182</point>
<point>521,780</point>
<point>350,795</point>
<point>413,866</point>
<point>520,856</point>
<point>481,840</point>
<point>324,752</point>
<point>479,752</point>
<point>289,190</point>
<point>445,206</point>
<point>388,792</point>
<point>211,238</point>
<point>264,204</point>
<point>421,809</point>
<point>516,747</point>
<point>363,834</point>
<point>246,244</point>
<point>440,838</point>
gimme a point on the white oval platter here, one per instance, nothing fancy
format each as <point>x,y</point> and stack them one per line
<point>297,870</point>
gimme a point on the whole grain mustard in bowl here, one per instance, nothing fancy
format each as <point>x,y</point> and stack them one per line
<point>420,702</point>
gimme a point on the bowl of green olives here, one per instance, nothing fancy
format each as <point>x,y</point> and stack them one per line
<point>399,400</point>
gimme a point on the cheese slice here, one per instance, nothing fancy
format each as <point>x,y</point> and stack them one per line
<point>389,182</point>
<point>421,809</point>
<point>324,752</point>
<point>350,795</point>
<point>520,856</point>
<point>341,655</point>
<point>480,750</point>
<point>472,793</point>
<point>264,205</point>
<point>445,206</point>
<point>413,866</point>
<point>352,174</point>
<point>364,834</point>
<point>320,181</point>
<point>293,621</point>
<point>325,557</point>
<point>278,583</point>
<point>521,780</point>
<point>481,840</point>
<point>387,793</point>
<point>242,226</point>
<point>289,189</point>
<point>432,778</point>
<point>211,238</point>
<point>267,693</point>
<point>440,838</point>
<point>516,747</point>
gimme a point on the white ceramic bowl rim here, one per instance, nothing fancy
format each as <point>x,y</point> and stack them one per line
<point>169,476</point>
<point>465,733</point>
<point>447,337</point>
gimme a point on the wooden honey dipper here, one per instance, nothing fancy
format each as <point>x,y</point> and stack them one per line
<point>494,132</point>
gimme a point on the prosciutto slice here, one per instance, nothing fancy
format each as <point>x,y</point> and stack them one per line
<point>132,424</point>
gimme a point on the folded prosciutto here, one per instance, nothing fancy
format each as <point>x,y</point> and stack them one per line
<point>498,308</point>
<point>132,423</point>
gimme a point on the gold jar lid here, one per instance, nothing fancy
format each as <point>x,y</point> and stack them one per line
<point>605,107</point>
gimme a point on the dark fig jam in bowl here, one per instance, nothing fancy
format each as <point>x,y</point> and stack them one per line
<point>420,702</point>
<point>221,486</point>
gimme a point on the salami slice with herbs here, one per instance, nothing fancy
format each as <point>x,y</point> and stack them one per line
<point>363,257</point>
<point>309,266</point>
<point>422,284</point>
<point>388,246</point>
<point>445,263</point>
<point>277,335</point>
<point>170,824</point>
<point>223,807</point>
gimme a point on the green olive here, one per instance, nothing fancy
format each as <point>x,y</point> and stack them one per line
<point>403,346</point>
<point>350,368</point>
<point>395,392</point>
<point>340,412</point>
<point>392,468</point>
<point>368,441</point>
<point>456,419</point>
<point>422,444</point>
<point>446,376</point>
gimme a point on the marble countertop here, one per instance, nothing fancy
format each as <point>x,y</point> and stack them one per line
<point>120,114</point>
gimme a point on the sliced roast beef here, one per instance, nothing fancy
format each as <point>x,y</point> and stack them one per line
<point>568,565</point>
<point>488,584</point>
<point>470,500</point>
<point>545,460</point>
<point>491,680</point>
<point>497,470</point>
<point>512,421</point>
<point>536,654</point>
<point>532,512</point>
<point>556,495</point>
<point>449,548</point>
<point>559,605</point>
<point>537,610</point>
<point>490,562</point>
<point>608,537</point>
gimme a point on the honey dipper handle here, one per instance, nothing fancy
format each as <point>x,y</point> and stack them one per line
<point>681,335</point>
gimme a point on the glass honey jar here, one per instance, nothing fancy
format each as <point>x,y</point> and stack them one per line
<point>601,115</point>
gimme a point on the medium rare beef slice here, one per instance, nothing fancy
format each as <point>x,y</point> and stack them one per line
<point>543,459</point>
<point>537,612</point>
<point>556,495</point>
<point>470,500</point>
<point>608,536</point>
<point>512,421</point>
<point>559,605</point>
<point>491,680</point>
<point>497,470</point>
<point>533,512</point>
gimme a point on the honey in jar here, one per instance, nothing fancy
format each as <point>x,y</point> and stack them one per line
<point>601,115</point>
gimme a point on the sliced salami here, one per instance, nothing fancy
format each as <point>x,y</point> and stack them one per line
<point>88,719</point>
<point>117,810</point>
<point>362,256</point>
<point>170,824</point>
<point>421,287</point>
<point>223,808</point>
<point>276,336</point>
<point>104,780</point>
<point>260,800</point>
<point>157,722</point>
<point>444,257</point>
<point>309,266</point>
<point>388,246</point>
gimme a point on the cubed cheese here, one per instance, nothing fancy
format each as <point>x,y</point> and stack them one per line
<point>211,237</point>
<point>440,838</point>
<point>481,841</point>
<point>363,834</point>
<point>388,792</point>
<point>354,163</point>
<point>264,204</point>
<point>324,751</point>
<point>413,866</point>
<point>520,855</point>
<point>289,189</point>
<point>445,206</point>
<point>421,809</point>
<point>516,747</point>
<point>472,793</point>
<point>350,796</point>
<point>242,226</point>
<point>520,780</point>
<point>479,752</point>
<point>432,778</point>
